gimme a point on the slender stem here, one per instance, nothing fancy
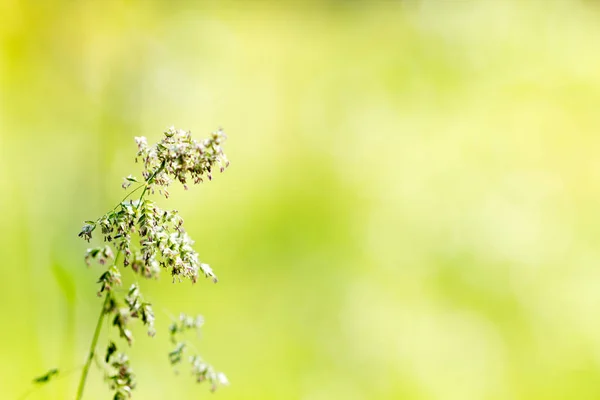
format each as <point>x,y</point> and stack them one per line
<point>86,367</point>
<point>128,194</point>
<point>149,181</point>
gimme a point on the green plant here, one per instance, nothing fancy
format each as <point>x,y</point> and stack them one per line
<point>149,240</point>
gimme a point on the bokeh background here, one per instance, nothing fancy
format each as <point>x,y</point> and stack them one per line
<point>411,211</point>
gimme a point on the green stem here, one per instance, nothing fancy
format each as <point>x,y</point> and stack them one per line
<point>124,198</point>
<point>128,194</point>
<point>150,179</point>
<point>86,368</point>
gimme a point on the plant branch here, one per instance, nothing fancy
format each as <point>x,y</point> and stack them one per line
<point>92,351</point>
<point>150,179</point>
<point>129,194</point>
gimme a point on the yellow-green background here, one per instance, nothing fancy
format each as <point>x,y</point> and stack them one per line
<point>412,210</point>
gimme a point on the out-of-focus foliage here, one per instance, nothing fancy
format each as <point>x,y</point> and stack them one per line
<point>410,212</point>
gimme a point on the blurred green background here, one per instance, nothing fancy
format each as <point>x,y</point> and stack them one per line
<point>411,211</point>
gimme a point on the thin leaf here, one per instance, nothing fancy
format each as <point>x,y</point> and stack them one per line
<point>46,377</point>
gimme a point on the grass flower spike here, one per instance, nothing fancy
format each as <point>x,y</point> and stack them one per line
<point>149,240</point>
